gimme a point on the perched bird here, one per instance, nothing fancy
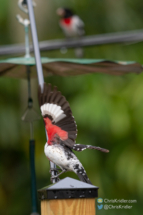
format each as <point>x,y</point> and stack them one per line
<point>72,26</point>
<point>61,131</point>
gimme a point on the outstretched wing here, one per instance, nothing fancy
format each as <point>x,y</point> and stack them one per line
<point>55,106</point>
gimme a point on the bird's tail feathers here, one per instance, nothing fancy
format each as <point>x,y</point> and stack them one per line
<point>80,147</point>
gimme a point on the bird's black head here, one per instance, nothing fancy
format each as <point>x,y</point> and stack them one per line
<point>65,12</point>
<point>24,2</point>
<point>68,13</point>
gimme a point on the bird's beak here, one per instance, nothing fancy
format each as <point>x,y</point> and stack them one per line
<point>60,12</point>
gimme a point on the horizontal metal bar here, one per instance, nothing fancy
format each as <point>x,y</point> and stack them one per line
<point>100,39</point>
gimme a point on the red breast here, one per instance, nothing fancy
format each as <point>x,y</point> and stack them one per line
<point>66,21</point>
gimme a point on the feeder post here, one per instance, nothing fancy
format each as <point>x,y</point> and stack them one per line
<point>68,197</point>
<point>38,63</point>
<point>35,44</point>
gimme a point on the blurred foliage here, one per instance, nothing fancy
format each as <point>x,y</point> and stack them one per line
<point>107,109</point>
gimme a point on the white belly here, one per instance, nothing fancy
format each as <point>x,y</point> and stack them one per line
<point>69,31</point>
<point>57,155</point>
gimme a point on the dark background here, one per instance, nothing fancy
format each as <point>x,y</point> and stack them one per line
<point>108,109</point>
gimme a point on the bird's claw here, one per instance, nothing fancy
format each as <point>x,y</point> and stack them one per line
<point>53,177</point>
<point>54,169</point>
<point>57,175</point>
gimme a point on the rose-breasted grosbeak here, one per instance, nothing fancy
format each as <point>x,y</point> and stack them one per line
<point>61,131</point>
<point>72,26</point>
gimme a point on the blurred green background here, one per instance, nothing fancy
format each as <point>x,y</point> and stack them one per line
<point>108,109</point>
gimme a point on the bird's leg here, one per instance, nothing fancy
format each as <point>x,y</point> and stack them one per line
<point>55,169</point>
<point>55,176</point>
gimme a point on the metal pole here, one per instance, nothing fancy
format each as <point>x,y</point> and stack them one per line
<point>33,175</point>
<point>38,61</point>
<point>32,150</point>
<point>27,49</point>
<point>35,44</point>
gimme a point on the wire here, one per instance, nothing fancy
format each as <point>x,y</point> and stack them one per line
<point>100,39</point>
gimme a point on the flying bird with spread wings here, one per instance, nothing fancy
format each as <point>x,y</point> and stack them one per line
<point>61,130</point>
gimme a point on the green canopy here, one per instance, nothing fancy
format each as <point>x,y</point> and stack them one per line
<point>16,67</point>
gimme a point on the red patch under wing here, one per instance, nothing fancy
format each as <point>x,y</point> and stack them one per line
<point>52,130</point>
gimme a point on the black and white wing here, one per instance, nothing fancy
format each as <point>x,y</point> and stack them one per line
<point>55,106</point>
